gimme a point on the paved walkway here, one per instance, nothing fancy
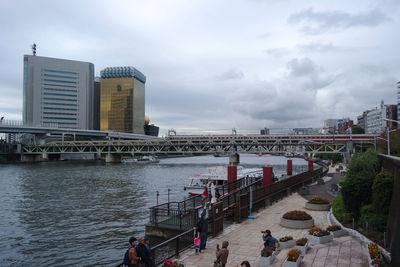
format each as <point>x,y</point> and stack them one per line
<point>245,241</point>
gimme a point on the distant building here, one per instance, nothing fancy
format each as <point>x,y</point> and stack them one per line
<point>391,114</point>
<point>264,131</point>
<point>122,106</point>
<point>305,131</point>
<point>96,104</point>
<point>58,92</point>
<point>375,122</point>
<point>150,129</point>
<point>345,126</point>
<point>330,125</point>
<point>398,101</point>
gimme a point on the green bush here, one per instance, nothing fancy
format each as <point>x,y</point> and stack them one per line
<point>375,221</point>
<point>339,211</point>
<point>382,192</point>
<point>357,187</point>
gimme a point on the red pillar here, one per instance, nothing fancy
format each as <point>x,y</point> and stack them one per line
<point>310,165</point>
<point>232,177</point>
<point>267,176</point>
<point>289,167</point>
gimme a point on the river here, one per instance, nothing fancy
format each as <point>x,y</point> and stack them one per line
<point>82,213</point>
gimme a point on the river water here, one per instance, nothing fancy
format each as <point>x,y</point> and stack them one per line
<point>82,213</point>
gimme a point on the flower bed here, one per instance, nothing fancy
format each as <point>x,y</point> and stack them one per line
<point>318,200</point>
<point>286,242</point>
<point>319,236</point>
<point>336,231</point>
<point>302,245</point>
<point>293,258</point>
<point>297,215</point>
<point>267,257</point>
<point>376,256</point>
<point>169,263</point>
<point>318,203</point>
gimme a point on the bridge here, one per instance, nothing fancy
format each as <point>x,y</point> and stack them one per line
<point>209,144</point>
<point>17,127</point>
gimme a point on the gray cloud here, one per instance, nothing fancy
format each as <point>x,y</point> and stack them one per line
<point>231,74</point>
<point>315,47</point>
<point>313,22</point>
<point>278,52</point>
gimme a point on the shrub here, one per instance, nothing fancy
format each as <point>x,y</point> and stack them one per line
<point>293,254</point>
<point>314,229</point>
<point>382,192</point>
<point>333,228</point>
<point>266,251</point>
<point>339,211</point>
<point>318,200</point>
<point>356,188</point>
<point>301,241</point>
<point>375,221</point>
<point>285,238</point>
<point>297,215</point>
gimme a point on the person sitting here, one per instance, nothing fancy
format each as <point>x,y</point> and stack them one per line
<point>269,240</point>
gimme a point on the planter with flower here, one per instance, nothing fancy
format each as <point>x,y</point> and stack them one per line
<point>304,191</point>
<point>318,203</point>
<point>297,219</point>
<point>375,256</point>
<point>336,231</point>
<point>293,258</point>
<point>286,242</point>
<point>267,257</point>
<point>319,236</point>
<point>302,245</point>
<point>169,263</point>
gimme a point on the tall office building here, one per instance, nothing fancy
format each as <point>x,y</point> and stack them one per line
<point>122,107</point>
<point>398,102</point>
<point>58,92</point>
<point>96,104</point>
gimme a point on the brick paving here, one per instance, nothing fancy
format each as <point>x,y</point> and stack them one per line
<point>245,240</point>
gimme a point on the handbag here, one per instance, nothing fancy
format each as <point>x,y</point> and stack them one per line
<point>217,263</point>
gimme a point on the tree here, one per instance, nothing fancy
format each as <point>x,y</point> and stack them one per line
<point>358,130</point>
<point>356,188</point>
<point>382,192</point>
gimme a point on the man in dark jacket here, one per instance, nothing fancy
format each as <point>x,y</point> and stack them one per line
<point>269,240</point>
<point>142,253</point>
<point>203,228</point>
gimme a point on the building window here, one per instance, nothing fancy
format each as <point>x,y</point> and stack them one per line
<point>59,76</point>
<point>60,99</point>
<point>58,71</point>
<point>58,81</point>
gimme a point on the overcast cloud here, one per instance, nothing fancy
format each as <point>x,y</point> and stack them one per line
<point>219,64</point>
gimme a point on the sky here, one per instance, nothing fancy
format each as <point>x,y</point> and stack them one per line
<point>216,65</point>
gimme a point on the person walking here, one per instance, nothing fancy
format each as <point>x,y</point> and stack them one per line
<point>197,242</point>
<point>223,253</point>
<point>149,262</point>
<point>203,228</point>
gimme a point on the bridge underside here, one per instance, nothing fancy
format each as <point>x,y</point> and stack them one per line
<point>129,147</point>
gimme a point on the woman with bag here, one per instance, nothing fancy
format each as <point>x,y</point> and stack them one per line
<point>222,255</point>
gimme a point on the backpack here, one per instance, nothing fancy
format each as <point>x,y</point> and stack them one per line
<point>127,261</point>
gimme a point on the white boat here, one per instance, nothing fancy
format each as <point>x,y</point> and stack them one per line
<point>141,160</point>
<point>217,176</point>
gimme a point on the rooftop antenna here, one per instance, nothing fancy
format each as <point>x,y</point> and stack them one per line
<point>34,49</point>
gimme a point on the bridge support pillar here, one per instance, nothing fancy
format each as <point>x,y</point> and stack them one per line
<point>267,176</point>
<point>234,159</point>
<point>232,177</point>
<point>289,167</point>
<point>310,165</point>
<point>111,158</point>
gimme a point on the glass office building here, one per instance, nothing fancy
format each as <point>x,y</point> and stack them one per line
<point>122,106</point>
<point>58,93</point>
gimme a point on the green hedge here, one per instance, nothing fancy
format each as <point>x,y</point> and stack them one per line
<point>339,211</point>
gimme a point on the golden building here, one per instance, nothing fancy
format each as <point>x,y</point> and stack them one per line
<point>122,104</point>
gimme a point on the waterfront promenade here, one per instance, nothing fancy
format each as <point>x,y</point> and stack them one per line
<point>245,241</point>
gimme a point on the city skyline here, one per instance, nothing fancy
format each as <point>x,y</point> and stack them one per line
<point>242,64</point>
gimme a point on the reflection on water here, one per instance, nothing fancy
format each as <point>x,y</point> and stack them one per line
<point>82,213</point>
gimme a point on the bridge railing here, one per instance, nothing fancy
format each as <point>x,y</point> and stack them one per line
<point>18,123</point>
